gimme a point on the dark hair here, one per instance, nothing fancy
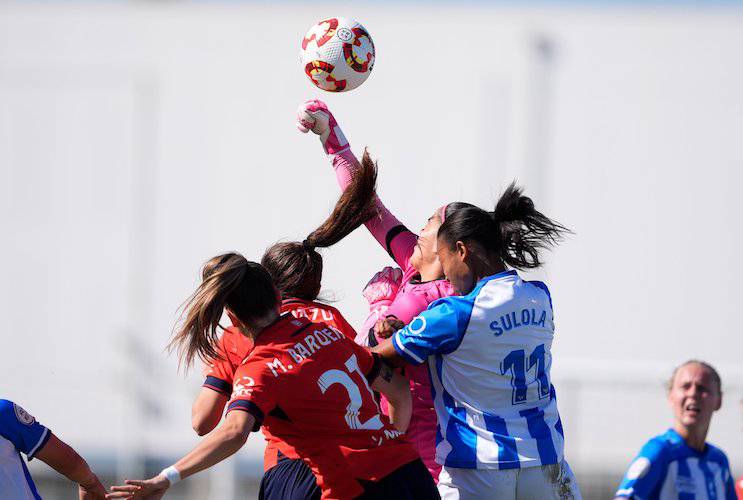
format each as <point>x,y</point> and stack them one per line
<point>297,267</point>
<point>515,231</point>
<point>228,280</point>
<point>715,375</point>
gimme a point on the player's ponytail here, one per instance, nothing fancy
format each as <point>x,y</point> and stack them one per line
<point>515,231</point>
<point>228,280</point>
<point>297,267</point>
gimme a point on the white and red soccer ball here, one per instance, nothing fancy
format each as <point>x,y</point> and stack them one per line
<point>337,54</point>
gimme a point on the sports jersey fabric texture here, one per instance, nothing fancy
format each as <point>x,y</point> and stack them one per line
<point>234,346</point>
<point>667,469</point>
<point>489,353</point>
<point>19,433</point>
<point>413,297</point>
<point>309,386</point>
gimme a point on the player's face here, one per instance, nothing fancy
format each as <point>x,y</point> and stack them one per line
<point>425,249</point>
<point>694,396</point>
<point>456,269</point>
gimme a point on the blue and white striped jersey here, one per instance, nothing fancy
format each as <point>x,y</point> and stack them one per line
<point>19,432</point>
<point>667,469</point>
<point>489,357</point>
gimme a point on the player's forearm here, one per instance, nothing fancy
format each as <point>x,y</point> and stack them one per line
<point>76,469</point>
<point>388,353</point>
<point>346,165</point>
<point>64,459</point>
<point>220,444</point>
<point>400,406</point>
<point>396,389</point>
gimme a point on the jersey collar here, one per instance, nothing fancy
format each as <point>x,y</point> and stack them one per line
<point>285,325</point>
<point>502,274</point>
<point>677,437</point>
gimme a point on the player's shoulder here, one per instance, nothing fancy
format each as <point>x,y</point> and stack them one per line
<point>663,447</point>
<point>498,288</point>
<point>6,405</point>
<point>327,307</point>
<point>6,410</point>
<point>457,305</point>
<point>715,454</point>
<point>542,288</point>
<point>12,413</point>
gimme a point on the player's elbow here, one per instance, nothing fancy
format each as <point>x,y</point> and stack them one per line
<point>205,417</point>
<point>200,426</point>
<point>236,429</point>
<point>203,422</point>
<point>234,437</point>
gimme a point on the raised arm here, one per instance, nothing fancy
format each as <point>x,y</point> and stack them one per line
<point>397,240</point>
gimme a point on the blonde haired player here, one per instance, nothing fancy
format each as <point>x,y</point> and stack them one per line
<point>680,464</point>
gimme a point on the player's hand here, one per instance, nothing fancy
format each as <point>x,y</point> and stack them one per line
<point>314,115</point>
<point>382,288</point>
<point>387,326</point>
<point>150,489</point>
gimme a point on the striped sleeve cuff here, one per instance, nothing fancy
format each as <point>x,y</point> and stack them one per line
<point>219,385</point>
<point>42,441</point>
<point>250,407</point>
<point>406,353</point>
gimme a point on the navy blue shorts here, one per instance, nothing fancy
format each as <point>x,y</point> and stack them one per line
<point>412,481</point>
<point>289,480</point>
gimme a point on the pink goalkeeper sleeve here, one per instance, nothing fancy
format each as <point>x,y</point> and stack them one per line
<point>389,232</point>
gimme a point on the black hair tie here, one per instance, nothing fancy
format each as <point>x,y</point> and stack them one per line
<point>307,245</point>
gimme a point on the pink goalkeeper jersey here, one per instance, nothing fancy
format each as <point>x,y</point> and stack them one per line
<point>412,298</point>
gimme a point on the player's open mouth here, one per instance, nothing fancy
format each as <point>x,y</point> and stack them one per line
<point>692,408</point>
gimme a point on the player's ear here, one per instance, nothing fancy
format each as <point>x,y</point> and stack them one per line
<point>719,402</point>
<point>461,250</point>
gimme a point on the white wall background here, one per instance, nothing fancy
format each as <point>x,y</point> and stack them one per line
<point>138,140</point>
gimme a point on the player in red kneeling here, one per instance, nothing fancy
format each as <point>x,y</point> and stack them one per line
<point>307,384</point>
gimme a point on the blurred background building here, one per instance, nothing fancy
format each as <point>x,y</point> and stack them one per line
<point>138,139</point>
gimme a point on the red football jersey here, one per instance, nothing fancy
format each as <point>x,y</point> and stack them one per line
<point>234,346</point>
<point>318,313</point>
<point>308,385</point>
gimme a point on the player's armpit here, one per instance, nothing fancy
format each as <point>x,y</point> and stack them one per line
<point>396,389</point>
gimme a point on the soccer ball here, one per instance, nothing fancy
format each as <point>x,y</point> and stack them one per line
<point>337,54</point>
